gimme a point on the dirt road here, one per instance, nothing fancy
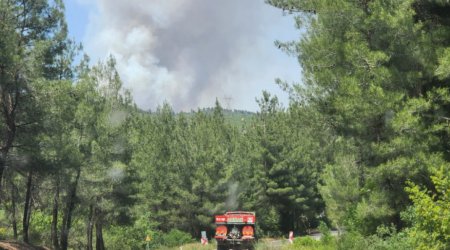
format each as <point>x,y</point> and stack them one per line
<point>14,245</point>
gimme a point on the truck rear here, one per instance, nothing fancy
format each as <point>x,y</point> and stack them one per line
<point>235,230</point>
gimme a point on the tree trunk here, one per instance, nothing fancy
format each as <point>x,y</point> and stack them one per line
<point>2,167</point>
<point>90,227</point>
<point>8,108</point>
<point>67,219</point>
<point>3,155</point>
<point>99,243</point>
<point>54,234</point>
<point>27,208</point>
<point>13,209</point>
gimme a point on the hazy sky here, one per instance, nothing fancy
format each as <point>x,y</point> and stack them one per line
<point>189,52</point>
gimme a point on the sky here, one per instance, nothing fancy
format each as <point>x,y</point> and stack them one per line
<point>189,52</point>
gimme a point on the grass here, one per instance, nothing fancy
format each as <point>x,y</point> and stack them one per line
<point>300,243</point>
<point>192,246</point>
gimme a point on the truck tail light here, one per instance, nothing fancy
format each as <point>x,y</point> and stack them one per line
<point>221,231</point>
<point>247,231</point>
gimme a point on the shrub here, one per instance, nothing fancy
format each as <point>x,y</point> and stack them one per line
<point>176,238</point>
<point>39,225</point>
<point>326,233</point>
<point>430,214</point>
<point>351,240</point>
<point>3,225</point>
<point>386,239</point>
<point>133,236</point>
<point>306,242</point>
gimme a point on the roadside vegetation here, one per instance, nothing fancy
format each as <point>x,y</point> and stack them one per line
<point>363,146</point>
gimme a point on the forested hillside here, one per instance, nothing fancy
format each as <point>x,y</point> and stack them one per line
<point>236,118</point>
<point>364,145</point>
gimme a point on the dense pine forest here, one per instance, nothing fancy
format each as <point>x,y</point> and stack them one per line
<point>362,147</point>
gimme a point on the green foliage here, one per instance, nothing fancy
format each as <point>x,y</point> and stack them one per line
<point>268,223</point>
<point>124,237</point>
<point>286,161</point>
<point>176,237</point>
<point>341,189</point>
<point>444,64</point>
<point>235,118</point>
<point>133,236</point>
<point>4,230</point>
<point>377,73</point>
<point>430,213</point>
<point>371,115</point>
<point>386,239</point>
<point>326,237</point>
<point>352,240</point>
<point>40,222</point>
<point>309,243</point>
<point>306,242</point>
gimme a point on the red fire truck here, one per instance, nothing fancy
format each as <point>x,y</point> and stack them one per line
<point>235,230</point>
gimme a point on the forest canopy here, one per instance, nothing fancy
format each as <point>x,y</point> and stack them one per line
<point>363,146</point>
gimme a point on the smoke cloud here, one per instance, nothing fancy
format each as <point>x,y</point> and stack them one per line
<point>190,52</point>
<point>232,199</point>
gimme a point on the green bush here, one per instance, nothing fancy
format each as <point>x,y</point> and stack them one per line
<point>176,238</point>
<point>326,233</point>
<point>430,213</point>
<point>3,225</point>
<point>39,224</point>
<point>308,243</point>
<point>351,240</point>
<point>133,236</point>
<point>124,237</point>
<point>386,239</point>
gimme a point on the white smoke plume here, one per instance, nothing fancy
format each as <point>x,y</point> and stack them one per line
<point>232,199</point>
<point>190,52</point>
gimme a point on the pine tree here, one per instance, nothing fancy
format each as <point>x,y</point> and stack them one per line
<point>375,71</point>
<point>26,27</point>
